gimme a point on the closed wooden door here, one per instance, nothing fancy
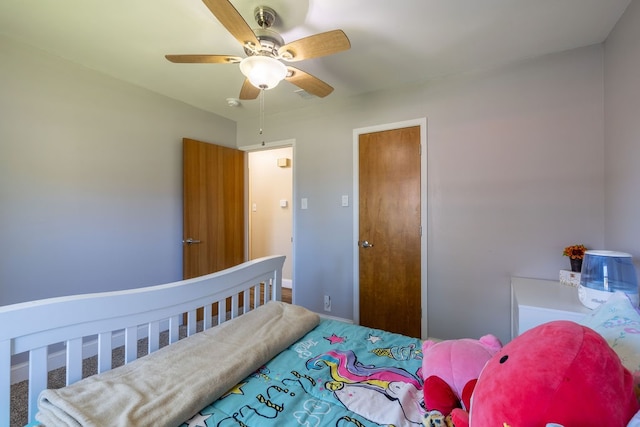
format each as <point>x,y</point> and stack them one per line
<point>389,230</point>
<point>213,202</point>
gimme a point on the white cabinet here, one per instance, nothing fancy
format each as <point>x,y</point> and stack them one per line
<point>535,301</point>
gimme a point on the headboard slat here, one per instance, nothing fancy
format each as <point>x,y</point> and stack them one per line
<point>174,331</point>
<point>154,337</point>
<point>208,312</point>
<point>130,344</point>
<point>74,360</point>
<point>37,377</point>
<point>104,352</point>
<point>191,322</point>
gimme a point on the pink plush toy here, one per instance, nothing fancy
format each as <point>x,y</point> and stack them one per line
<point>450,366</point>
<point>559,373</point>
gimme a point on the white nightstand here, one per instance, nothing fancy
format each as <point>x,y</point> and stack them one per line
<point>535,301</point>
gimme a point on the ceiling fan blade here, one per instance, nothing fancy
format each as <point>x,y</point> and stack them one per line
<point>314,46</point>
<point>309,83</point>
<point>231,19</point>
<point>248,90</point>
<point>203,59</point>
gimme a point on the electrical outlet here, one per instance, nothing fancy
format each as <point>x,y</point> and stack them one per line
<point>327,303</point>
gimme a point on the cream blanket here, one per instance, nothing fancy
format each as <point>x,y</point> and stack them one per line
<point>169,386</point>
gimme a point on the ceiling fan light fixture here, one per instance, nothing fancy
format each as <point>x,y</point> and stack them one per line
<point>263,72</point>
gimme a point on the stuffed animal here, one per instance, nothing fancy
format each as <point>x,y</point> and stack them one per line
<point>450,366</point>
<point>559,373</point>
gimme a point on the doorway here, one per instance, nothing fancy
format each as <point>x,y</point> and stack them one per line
<point>213,207</point>
<point>390,227</point>
<point>270,206</point>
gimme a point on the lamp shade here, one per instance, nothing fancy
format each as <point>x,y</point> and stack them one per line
<point>263,72</point>
<point>604,272</point>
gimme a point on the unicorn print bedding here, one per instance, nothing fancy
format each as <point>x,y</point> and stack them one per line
<point>336,375</point>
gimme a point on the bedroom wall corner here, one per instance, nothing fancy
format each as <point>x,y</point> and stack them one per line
<point>622,134</point>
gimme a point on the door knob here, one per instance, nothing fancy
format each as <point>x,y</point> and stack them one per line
<point>190,241</point>
<point>365,244</point>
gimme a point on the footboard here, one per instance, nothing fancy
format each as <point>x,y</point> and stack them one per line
<point>63,331</point>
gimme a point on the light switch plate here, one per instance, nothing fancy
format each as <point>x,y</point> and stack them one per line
<point>345,200</point>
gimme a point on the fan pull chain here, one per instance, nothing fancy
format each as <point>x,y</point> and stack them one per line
<point>261,113</point>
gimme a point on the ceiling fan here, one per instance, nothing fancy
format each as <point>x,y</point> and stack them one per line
<point>265,49</point>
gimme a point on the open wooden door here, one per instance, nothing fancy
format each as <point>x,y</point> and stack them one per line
<point>213,202</point>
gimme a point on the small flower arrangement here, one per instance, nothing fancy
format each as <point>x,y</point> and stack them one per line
<point>575,251</point>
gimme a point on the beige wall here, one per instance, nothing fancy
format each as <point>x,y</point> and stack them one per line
<point>271,225</point>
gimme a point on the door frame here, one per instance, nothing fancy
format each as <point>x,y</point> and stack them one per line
<point>264,146</point>
<point>422,122</point>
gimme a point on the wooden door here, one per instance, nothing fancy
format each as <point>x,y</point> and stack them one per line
<point>213,203</point>
<point>389,223</point>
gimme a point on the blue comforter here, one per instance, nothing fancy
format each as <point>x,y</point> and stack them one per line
<point>336,375</point>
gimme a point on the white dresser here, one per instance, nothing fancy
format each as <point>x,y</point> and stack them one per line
<point>535,301</point>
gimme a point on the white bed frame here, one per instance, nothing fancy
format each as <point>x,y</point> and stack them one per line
<point>112,319</point>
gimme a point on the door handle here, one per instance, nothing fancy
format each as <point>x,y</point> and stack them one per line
<point>190,241</point>
<point>365,244</point>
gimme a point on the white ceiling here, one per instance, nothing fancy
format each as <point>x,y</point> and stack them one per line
<point>393,43</point>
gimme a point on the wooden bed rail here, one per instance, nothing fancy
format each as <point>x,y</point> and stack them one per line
<point>122,317</point>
